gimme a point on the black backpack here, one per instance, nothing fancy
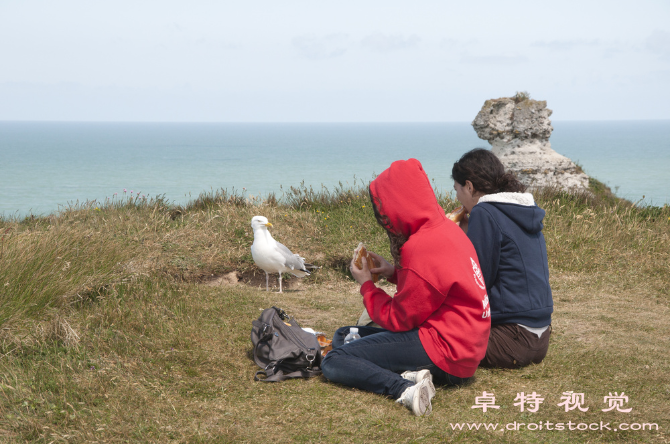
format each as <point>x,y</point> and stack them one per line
<point>282,349</point>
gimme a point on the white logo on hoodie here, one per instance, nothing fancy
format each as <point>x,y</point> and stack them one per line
<point>479,279</point>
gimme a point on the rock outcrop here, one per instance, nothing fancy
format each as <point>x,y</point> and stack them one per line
<point>518,130</point>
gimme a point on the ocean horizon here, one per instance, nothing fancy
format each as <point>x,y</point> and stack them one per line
<point>46,166</point>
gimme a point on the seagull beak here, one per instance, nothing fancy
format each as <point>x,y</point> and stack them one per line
<point>268,224</point>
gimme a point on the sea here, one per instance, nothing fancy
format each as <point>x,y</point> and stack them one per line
<point>46,167</point>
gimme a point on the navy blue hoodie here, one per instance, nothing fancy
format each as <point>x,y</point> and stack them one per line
<point>506,230</point>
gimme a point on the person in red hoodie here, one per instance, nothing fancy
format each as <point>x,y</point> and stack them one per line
<point>436,326</point>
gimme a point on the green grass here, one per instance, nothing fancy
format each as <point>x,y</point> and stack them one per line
<point>125,324</point>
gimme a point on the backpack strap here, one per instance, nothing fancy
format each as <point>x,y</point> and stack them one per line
<point>281,376</point>
<point>264,334</point>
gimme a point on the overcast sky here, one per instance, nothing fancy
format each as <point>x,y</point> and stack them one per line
<point>330,61</point>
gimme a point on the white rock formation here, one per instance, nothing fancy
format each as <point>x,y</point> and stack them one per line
<point>518,130</point>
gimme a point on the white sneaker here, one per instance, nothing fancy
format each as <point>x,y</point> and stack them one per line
<point>419,376</point>
<point>417,397</point>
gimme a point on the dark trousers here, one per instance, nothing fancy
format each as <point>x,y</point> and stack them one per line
<point>373,363</point>
<point>512,346</point>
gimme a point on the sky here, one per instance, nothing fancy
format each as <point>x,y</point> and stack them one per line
<point>330,61</point>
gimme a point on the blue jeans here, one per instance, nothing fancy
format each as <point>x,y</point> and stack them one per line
<point>373,363</point>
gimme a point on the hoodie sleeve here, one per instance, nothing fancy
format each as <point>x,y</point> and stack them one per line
<point>415,301</point>
<point>485,235</point>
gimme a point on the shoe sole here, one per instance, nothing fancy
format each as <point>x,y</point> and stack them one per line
<point>425,408</point>
<point>422,406</point>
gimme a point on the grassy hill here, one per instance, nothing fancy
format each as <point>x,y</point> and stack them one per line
<point>130,322</point>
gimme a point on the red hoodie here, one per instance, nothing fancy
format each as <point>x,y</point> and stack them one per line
<point>440,288</point>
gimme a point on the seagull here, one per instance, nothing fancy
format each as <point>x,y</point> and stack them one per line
<point>273,257</point>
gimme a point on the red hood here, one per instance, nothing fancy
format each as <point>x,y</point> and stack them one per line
<point>404,194</point>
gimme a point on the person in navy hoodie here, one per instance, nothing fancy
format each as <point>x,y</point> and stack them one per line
<point>505,227</point>
<point>437,323</point>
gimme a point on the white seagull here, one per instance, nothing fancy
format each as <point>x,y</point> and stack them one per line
<point>273,257</point>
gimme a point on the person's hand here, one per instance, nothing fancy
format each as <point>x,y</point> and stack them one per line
<point>361,275</point>
<point>464,223</point>
<point>384,268</point>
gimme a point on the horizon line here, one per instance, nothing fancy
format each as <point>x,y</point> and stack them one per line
<point>307,121</point>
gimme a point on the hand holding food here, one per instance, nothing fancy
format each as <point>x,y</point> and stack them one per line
<point>384,268</point>
<point>457,215</point>
<point>360,254</point>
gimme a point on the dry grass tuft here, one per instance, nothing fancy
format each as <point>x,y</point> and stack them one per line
<point>59,331</point>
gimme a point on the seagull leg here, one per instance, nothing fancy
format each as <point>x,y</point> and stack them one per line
<point>267,280</point>
<point>280,290</point>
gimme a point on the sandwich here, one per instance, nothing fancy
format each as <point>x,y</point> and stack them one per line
<point>457,215</point>
<point>360,254</point>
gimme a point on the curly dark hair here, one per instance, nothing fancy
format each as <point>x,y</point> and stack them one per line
<point>487,174</point>
<point>397,240</point>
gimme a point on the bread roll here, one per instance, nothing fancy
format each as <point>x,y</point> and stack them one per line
<point>457,215</point>
<point>359,254</point>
